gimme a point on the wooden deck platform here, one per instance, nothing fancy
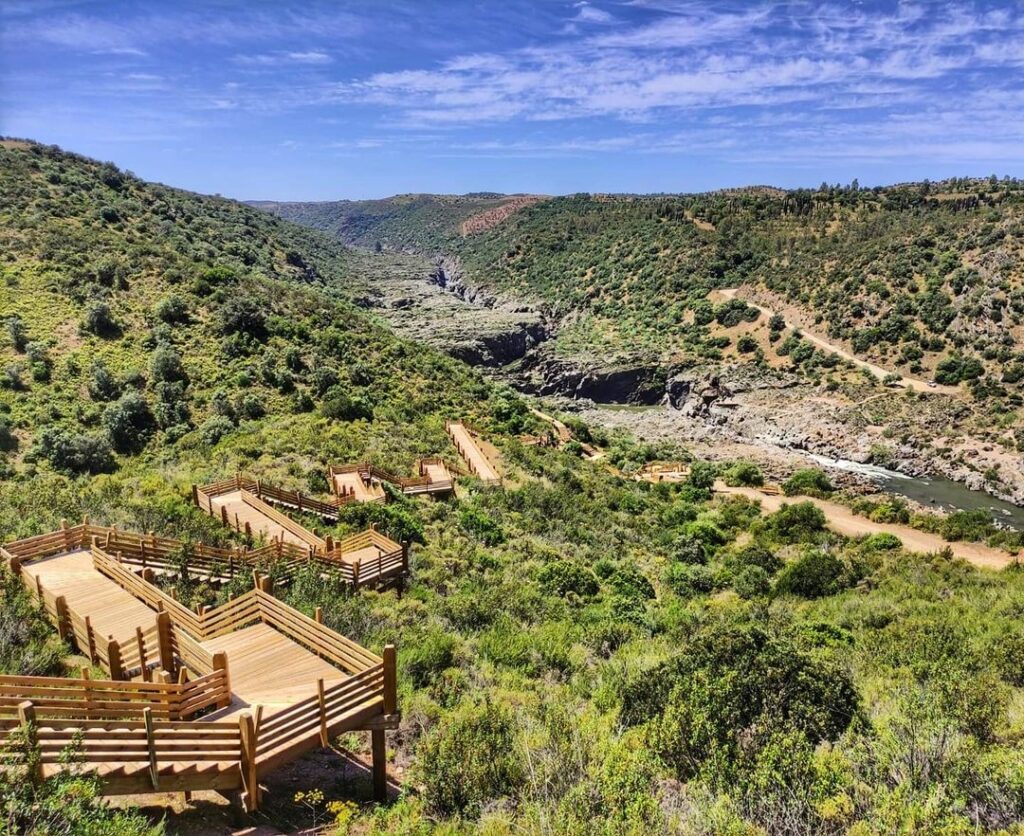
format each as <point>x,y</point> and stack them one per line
<point>252,514</point>
<point>471,451</point>
<point>282,684</point>
<point>352,484</point>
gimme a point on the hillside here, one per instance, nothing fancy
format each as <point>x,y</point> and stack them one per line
<point>578,651</point>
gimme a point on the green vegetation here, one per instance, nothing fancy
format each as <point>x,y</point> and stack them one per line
<point>577,652</point>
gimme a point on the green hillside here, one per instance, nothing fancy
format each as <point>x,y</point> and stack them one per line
<point>923,278</point>
<point>578,652</point>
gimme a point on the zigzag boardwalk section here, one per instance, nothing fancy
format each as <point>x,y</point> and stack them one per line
<point>473,454</point>
<point>365,559</point>
<point>363,481</point>
<point>207,700</point>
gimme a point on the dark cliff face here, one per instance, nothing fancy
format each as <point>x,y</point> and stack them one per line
<point>541,374</point>
<point>501,349</point>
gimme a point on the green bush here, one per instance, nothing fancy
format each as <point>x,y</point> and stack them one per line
<point>752,582</point>
<point>240,315</point>
<point>882,542</point>
<point>755,554</point>
<point>28,645</point>
<point>340,406</point>
<point>99,320</point>
<point>74,453</point>
<point>562,577</point>
<point>815,574</point>
<point>425,658</point>
<point>17,333</point>
<point>796,523</point>
<point>130,423</point>
<point>172,309</point>
<point>629,582</point>
<point>165,366</point>
<point>688,580</point>
<point>476,522</point>
<point>808,482</point>
<point>103,386</point>
<point>214,428</point>
<point>743,474</point>
<point>471,758</point>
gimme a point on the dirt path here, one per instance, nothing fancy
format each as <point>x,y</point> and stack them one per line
<point>878,371</point>
<point>843,520</point>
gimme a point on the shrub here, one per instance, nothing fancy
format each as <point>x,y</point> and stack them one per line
<point>129,422</point>
<point>476,522</point>
<point>808,482</point>
<point>743,474</point>
<point>687,580</point>
<point>746,344</point>
<point>99,320</point>
<point>815,574</point>
<point>28,645</point>
<point>1008,654</point>
<point>17,332</point>
<point>431,653</point>
<point>966,525</point>
<point>882,542</point>
<point>165,366</point>
<point>103,386</point>
<point>8,440</point>
<point>562,577</point>
<point>755,554</point>
<point>690,549</point>
<point>702,476</point>
<point>172,309</point>
<point>214,428</point>
<point>240,315</point>
<point>752,582</point>
<point>73,453</point>
<point>251,407</point>
<point>340,406</point>
<point>469,759</point>
<point>796,523</point>
<point>629,582</point>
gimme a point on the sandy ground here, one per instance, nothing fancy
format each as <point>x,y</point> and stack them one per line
<point>843,520</point>
<point>878,371</point>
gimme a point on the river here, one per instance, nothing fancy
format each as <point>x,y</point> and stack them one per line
<point>935,492</point>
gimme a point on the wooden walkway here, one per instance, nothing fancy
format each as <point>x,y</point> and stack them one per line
<point>282,684</point>
<point>351,483</point>
<point>247,512</point>
<point>473,454</point>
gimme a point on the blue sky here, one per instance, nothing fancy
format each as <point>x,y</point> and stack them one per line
<point>331,100</point>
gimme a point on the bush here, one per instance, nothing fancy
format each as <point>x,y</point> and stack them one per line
<point>469,759</point>
<point>629,582</point>
<point>240,315</point>
<point>808,482</point>
<point>340,406</point>
<point>17,332</point>
<point>966,525</point>
<point>688,580</point>
<point>129,422</point>
<point>476,522</point>
<point>172,309</point>
<point>1008,654</point>
<point>165,366</point>
<point>752,582</point>
<point>426,657</point>
<point>99,320</point>
<point>28,645</point>
<point>755,554</point>
<point>251,407</point>
<point>73,453</point>
<point>746,344</point>
<point>8,440</point>
<point>562,577</point>
<point>214,428</point>
<point>103,386</point>
<point>882,542</point>
<point>743,474</point>
<point>813,575</point>
<point>796,523</point>
<point>690,549</point>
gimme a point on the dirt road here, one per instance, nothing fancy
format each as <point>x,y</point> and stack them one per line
<point>844,521</point>
<point>879,372</point>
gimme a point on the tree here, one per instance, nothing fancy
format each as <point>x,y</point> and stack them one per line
<point>74,453</point>
<point>18,333</point>
<point>103,386</point>
<point>808,482</point>
<point>796,523</point>
<point>815,574</point>
<point>165,365</point>
<point>172,309</point>
<point>241,315</point>
<point>130,423</point>
<point>99,320</point>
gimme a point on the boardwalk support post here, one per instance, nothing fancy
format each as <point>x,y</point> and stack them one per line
<point>114,658</point>
<point>325,739</point>
<point>154,769</point>
<point>380,765</point>
<point>220,663</point>
<point>64,628</point>
<point>250,783</point>
<point>390,680</point>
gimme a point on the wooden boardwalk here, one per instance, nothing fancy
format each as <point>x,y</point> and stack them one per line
<point>351,483</point>
<point>280,684</point>
<point>473,454</point>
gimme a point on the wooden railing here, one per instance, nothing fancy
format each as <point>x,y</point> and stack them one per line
<point>85,698</point>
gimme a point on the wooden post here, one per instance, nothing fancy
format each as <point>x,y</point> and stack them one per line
<point>114,657</point>
<point>355,575</point>
<point>390,680</point>
<point>148,575</point>
<point>195,495</point>
<point>405,557</point>
<point>325,740</point>
<point>220,663</point>
<point>67,535</point>
<point>147,675</point>
<point>299,496</point>
<point>247,733</point>
<point>154,770</point>
<point>330,543</point>
<point>86,690</point>
<point>64,628</point>
<point>15,566</point>
<point>266,584</point>
<point>318,615</point>
<point>91,639</point>
<point>380,765</point>
<point>27,719</point>
<point>248,530</point>
<point>224,516</point>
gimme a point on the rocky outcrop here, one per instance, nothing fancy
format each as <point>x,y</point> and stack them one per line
<point>542,374</point>
<point>500,348</point>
